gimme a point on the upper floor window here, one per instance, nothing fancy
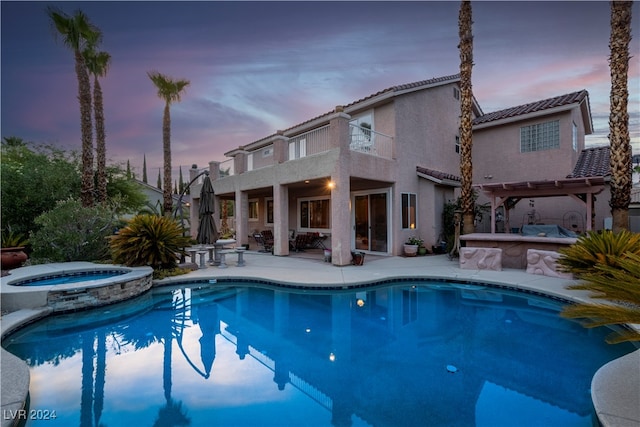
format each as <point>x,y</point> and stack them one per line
<point>456,93</point>
<point>457,144</point>
<point>574,137</point>
<point>539,137</point>
<point>409,202</point>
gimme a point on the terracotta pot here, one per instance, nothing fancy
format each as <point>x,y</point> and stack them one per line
<point>410,250</point>
<point>12,257</point>
<point>357,258</point>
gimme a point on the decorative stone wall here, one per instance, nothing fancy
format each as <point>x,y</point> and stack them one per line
<point>82,298</point>
<point>544,263</point>
<point>481,259</point>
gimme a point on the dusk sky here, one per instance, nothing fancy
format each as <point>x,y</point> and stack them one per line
<point>256,67</point>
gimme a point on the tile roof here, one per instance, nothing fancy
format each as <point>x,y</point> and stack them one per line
<point>545,104</point>
<point>437,174</point>
<point>390,90</point>
<point>408,86</point>
<point>592,162</point>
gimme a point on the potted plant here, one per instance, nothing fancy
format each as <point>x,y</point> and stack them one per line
<point>12,251</point>
<point>411,246</point>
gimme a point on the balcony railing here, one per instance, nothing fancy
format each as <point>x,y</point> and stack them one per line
<point>227,168</point>
<point>308,143</point>
<point>365,140</point>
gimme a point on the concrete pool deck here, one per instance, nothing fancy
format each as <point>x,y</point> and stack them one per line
<point>615,387</point>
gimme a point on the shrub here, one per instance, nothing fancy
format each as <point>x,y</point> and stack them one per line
<point>598,249</point>
<point>71,232</point>
<point>156,241</point>
<point>620,285</point>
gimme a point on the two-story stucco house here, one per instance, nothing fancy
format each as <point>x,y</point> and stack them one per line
<point>351,174</point>
<point>377,171</point>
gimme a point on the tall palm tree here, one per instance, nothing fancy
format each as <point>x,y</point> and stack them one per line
<point>466,104</point>
<point>620,158</point>
<point>77,33</point>
<point>170,90</point>
<point>98,64</point>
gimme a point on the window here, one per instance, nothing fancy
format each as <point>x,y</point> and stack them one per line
<point>456,93</point>
<point>315,213</point>
<point>457,144</point>
<point>269,203</point>
<point>539,137</point>
<point>574,137</point>
<point>253,210</point>
<point>409,202</point>
<point>267,152</point>
<point>250,161</point>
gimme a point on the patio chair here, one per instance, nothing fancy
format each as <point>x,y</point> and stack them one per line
<point>268,236</point>
<point>301,241</point>
<point>262,243</point>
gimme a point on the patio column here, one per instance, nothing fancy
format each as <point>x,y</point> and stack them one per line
<point>341,190</point>
<point>242,215</point>
<point>280,148</point>
<point>280,220</point>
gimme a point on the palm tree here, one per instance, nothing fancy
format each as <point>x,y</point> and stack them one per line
<point>78,33</point>
<point>466,103</point>
<point>620,157</point>
<point>98,64</point>
<point>169,90</point>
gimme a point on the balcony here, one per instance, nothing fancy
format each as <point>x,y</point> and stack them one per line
<point>365,140</point>
<point>315,141</point>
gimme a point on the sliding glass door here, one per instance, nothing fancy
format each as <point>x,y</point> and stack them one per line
<point>371,226</point>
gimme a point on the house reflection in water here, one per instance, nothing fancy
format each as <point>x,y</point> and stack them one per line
<point>410,353</point>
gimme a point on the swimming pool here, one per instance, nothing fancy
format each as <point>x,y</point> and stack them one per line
<point>245,353</point>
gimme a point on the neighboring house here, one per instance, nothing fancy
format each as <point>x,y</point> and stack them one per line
<point>539,141</point>
<point>375,172</point>
<point>369,174</point>
<point>155,197</point>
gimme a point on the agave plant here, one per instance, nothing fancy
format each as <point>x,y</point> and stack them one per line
<point>11,239</point>
<point>619,286</point>
<point>156,241</point>
<point>596,249</point>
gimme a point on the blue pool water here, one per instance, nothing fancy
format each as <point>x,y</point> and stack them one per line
<point>76,277</point>
<point>407,353</point>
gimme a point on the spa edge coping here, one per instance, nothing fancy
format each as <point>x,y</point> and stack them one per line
<point>511,237</point>
<point>615,386</point>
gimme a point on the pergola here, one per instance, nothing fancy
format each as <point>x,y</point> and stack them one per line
<point>510,193</point>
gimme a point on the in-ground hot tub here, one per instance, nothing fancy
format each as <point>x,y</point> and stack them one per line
<point>72,285</point>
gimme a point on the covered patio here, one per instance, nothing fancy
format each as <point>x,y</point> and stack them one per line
<point>513,248</point>
<point>508,194</point>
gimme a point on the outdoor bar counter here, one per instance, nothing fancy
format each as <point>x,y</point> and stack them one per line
<point>514,246</point>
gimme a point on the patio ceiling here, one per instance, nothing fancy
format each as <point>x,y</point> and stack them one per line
<point>577,188</point>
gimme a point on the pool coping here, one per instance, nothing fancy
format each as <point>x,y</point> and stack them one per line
<point>615,386</point>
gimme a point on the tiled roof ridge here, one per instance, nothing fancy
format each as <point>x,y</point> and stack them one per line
<point>531,107</point>
<point>437,174</point>
<point>593,161</point>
